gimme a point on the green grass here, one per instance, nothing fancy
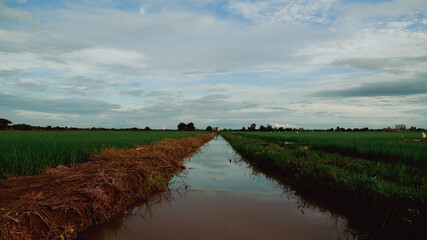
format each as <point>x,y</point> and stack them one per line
<point>30,152</point>
<point>377,181</point>
<point>378,146</point>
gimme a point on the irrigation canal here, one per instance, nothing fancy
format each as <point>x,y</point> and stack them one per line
<point>220,196</point>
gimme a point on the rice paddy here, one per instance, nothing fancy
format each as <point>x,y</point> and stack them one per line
<point>378,179</point>
<point>30,152</point>
<point>390,147</point>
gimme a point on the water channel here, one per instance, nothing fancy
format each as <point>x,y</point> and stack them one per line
<point>220,196</point>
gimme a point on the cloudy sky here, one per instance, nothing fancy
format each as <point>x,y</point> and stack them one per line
<point>306,63</point>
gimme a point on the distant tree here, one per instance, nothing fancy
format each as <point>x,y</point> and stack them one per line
<point>262,128</point>
<point>190,127</point>
<point>4,123</point>
<point>252,127</point>
<point>209,128</point>
<point>243,129</point>
<point>147,128</point>
<point>269,128</point>
<point>182,126</point>
<point>24,127</point>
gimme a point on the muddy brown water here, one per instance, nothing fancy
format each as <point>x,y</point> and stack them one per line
<point>220,196</point>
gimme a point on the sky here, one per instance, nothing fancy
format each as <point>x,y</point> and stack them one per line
<point>288,63</point>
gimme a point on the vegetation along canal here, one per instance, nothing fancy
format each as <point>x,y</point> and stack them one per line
<point>220,196</point>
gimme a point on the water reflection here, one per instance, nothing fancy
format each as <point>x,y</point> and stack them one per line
<point>304,201</point>
<point>220,196</point>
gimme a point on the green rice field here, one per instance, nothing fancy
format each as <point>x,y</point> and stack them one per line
<point>377,179</point>
<point>377,146</point>
<point>30,152</point>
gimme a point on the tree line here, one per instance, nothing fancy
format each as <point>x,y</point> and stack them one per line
<point>269,128</point>
<point>6,124</point>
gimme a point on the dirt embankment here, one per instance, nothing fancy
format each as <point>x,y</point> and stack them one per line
<point>63,201</point>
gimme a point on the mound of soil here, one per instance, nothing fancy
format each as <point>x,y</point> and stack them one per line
<point>63,201</point>
<point>414,140</point>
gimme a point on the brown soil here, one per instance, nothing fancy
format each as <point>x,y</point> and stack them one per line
<point>63,201</point>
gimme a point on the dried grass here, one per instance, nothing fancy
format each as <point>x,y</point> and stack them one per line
<point>63,201</point>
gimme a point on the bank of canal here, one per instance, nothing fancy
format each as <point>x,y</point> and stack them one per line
<point>220,196</point>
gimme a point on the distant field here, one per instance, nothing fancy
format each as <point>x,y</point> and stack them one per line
<point>378,146</point>
<point>377,179</point>
<point>29,152</point>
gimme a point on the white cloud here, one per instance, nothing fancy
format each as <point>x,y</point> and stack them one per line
<point>277,125</point>
<point>18,1</point>
<point>142,10</point>
<point>356,11</point>
<point>399,24</point>
<point>11,61</point>
<point>7,13</point>
<point>370,43</point>
<point>105,56</point>
<point>13,36</point>
<point>176,45</point>
<point>257,110</point>
<point>284,11</point>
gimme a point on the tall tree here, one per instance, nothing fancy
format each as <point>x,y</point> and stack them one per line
<point>182,126</point>
<point>190,127</point>
<point>4,123</point>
